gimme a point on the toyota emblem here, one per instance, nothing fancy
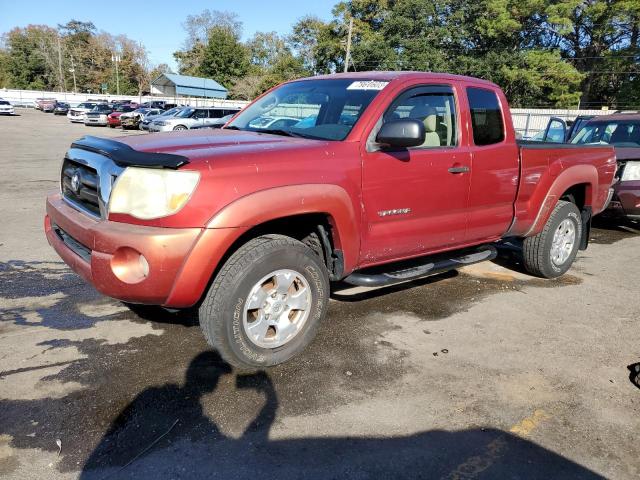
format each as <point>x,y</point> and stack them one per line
<point>75,182</point>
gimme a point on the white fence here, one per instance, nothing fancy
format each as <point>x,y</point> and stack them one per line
<point>26,98</point>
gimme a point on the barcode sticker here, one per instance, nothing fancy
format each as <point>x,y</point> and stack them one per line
<point>367,85</point>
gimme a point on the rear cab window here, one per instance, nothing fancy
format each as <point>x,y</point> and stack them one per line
<point>486,116</point>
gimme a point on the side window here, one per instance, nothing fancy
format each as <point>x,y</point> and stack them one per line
<point>486,116</point>
<point>200,114</point>
<point>435,107</point>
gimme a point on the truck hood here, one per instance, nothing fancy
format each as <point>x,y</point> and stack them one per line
<point>203,144</point>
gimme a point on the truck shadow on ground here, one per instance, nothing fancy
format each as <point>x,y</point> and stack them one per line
<point>608,230</point>
<point>104,422</point>
<point>634,374</point>
<point>164,432</point>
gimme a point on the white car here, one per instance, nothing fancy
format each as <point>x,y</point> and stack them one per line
<point>188,118</point>
<point>6,108</point>
<point>76,114</point>
<point>98,116</point>
<point>144,125</point>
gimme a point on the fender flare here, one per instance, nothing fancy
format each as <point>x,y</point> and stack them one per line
<point>280,202</point>
<point>572,176</point>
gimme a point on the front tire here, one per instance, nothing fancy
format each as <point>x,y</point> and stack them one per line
<point>550,253</point>
<point>179,127</point>
<point>266,303</point>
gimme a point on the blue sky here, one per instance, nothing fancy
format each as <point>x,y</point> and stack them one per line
<point>158,23</point>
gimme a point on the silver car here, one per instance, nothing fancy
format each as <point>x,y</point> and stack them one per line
<point>188,118</point>
<point>144,125</point>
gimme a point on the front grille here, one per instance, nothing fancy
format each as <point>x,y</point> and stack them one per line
<point>75,246</point>
<point>82,191</point>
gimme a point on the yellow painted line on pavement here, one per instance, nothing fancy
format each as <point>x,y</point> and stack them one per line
<point>496,448</point>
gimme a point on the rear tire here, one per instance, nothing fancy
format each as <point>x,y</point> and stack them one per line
<point>550,253</point>
<point>248,293</point>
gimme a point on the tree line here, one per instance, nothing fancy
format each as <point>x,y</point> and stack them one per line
<point>74,57</point>
<point>544,53</point>
<point>556,53</point>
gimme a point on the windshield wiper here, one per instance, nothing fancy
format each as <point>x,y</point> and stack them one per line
<point>231,127</point>
<point>279,131</point>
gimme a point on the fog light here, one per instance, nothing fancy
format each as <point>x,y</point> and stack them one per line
<point>129,265</point>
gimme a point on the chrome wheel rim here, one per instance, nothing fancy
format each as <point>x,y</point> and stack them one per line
<point>564,239</point>
<point>277,308</point>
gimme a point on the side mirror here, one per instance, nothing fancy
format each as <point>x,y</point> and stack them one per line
<point>406,132</point>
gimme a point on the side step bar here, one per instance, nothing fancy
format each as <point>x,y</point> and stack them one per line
<point>421,267</point>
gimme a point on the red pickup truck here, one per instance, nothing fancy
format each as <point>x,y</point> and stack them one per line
<point>370,178</point>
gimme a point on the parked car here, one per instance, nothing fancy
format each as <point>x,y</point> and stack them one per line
<point>215,123</point>
<point>252,224</point>
<point>268,122</point>
<point>132,120</point>
<point>559,130</point>
<point>187,118</point>
<point>40,103</point>
<point>113,119</point>
<point>99,115</point>
<point>76,114</point>
<point>622,131</point>
<point>61,108</point>
<point>161,104</point>
<point>144,125</point>
<point>6,108</point>
<point>48,107</point>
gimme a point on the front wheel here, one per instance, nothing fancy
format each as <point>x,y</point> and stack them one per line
<point>551,252</point>
<point>266,303</point>
<point>179,127</point>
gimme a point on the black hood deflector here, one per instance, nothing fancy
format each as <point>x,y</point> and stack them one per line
<point>125,156</point>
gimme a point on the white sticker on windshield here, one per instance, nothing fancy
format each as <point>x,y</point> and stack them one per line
<point>367,85</point>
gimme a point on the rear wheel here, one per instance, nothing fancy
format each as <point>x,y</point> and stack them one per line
<point>266,303</point>
<point>551,253</point>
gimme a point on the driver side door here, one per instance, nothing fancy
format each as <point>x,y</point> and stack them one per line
<point>415,199</point>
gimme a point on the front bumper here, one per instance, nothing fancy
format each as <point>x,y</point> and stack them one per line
<point>626,200</point>
<point>99,121</point>
<point>76,118</point>
<point>106,254</point>
<point>160,128</point>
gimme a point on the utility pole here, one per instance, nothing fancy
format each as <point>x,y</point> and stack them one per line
<point>347,57</point>
<point>73,71</point>
<point>62,85</point>
<point>115,58</point>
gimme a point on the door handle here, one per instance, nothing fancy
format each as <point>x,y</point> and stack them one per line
<point>458,169</point>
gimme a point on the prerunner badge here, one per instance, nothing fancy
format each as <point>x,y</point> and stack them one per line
<point>367,85</point>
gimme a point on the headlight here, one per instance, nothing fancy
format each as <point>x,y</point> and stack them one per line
<point>148,193</point>
<point>160,124</point>
<point>631,171</point>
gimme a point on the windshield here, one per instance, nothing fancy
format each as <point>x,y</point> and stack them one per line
<point>620,133</point>
<point>322,109</point>
<point>171,113</point>
<point>185,113</point>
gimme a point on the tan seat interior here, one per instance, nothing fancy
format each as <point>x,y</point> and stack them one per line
<point>430,121</point>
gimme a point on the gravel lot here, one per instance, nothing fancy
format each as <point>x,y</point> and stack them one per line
<point>484,373</point>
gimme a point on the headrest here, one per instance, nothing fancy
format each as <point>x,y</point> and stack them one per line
<point>430,123</point>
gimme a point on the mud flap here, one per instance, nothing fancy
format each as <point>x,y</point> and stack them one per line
<point>585,216</point>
